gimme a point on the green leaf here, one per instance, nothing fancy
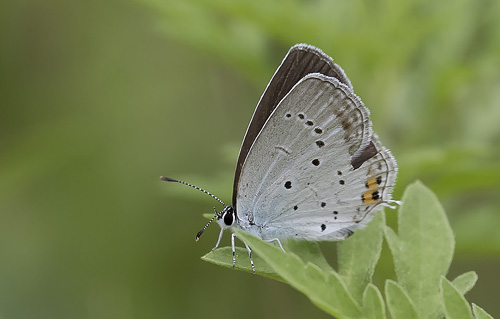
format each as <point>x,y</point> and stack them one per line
<point>392,240</point>
<point>308,251</point>
<point>455,305</point>
<point>358,255</point>
<point>208,216</point>
<point>373,303</point>
<point>224,257</point>
<point>324,288</point>
<point>423,249</point>
<point>479,313</point>
<point>398,302</point>
<point>465,282</point>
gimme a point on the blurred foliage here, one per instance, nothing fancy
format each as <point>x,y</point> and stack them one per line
<point>100,98</point>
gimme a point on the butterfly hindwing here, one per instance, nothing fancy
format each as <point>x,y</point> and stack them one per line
<point>304,184</point>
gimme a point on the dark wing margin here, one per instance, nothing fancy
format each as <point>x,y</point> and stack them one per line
<point>369,151</point>
<point>300,60</point>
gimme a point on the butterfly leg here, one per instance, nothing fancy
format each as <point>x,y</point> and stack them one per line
<point>275,239</point>
<point>218,240</point>
<point>250,255</point>
<point>232,247</point>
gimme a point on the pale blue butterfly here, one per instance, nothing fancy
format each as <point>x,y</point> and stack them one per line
<point>310,166</point>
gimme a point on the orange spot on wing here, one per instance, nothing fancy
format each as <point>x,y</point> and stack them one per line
<point>371,183</point>
<point>367,197</point>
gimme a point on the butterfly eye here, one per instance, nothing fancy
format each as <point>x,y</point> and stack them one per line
<point>228,218</point>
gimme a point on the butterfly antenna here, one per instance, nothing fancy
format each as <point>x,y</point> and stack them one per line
<point>168,179</point>
<point>198,235</point>
<point>206,226</point>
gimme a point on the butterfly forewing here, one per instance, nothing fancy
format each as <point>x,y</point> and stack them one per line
<point>299,178</point>
<point>301,59</point>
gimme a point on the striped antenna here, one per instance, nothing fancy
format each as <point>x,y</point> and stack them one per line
<point>168,179</point>
<point>208,224</point>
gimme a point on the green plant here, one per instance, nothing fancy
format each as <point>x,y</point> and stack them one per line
<point>422,252</point>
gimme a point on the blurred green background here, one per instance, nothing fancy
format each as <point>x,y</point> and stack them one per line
<point>100,98</point>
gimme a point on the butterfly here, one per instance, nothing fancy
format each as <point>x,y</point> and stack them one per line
<point>310,166</point>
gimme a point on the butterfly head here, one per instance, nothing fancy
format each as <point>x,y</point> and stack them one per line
<point>226,217</point>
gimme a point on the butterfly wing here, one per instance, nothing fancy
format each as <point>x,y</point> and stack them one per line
<point>315,171</point>
<point>301,59</point>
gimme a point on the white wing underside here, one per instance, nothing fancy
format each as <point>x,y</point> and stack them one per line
<point>302,184</point>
